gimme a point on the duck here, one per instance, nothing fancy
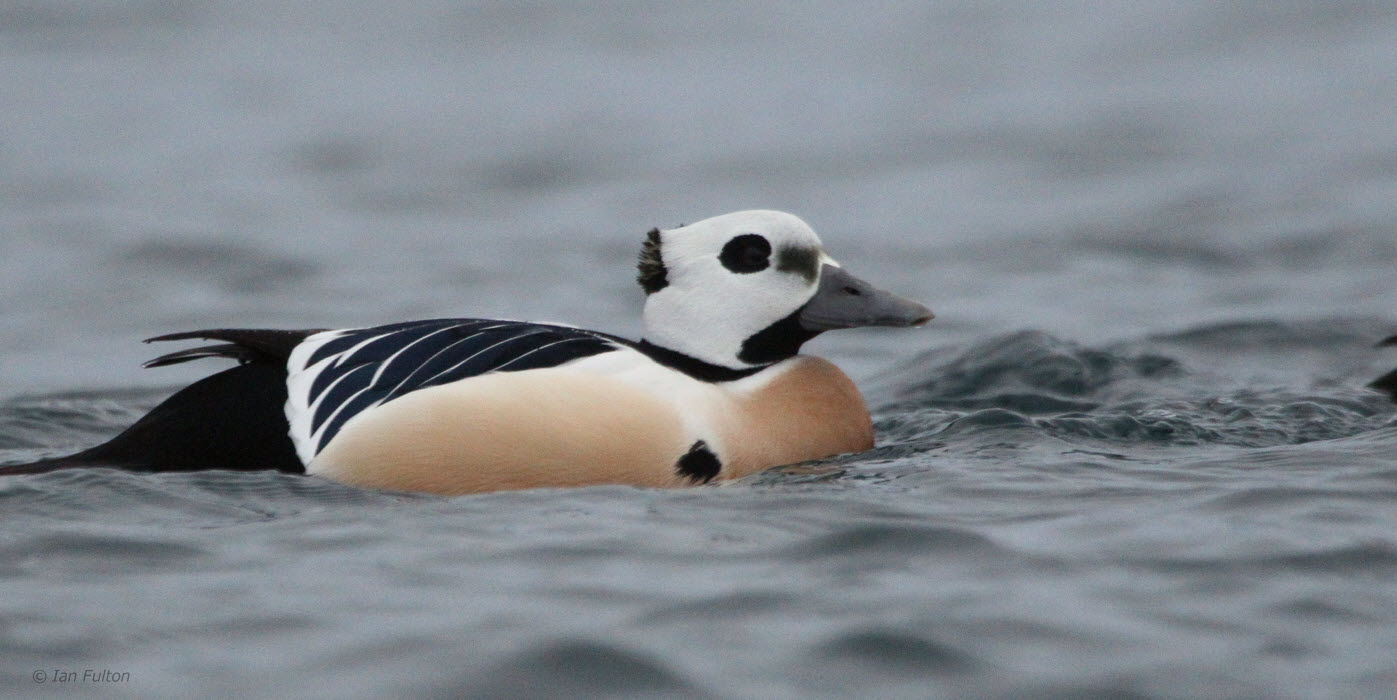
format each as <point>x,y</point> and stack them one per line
<point>1387,383</point>
<point>715,390</point>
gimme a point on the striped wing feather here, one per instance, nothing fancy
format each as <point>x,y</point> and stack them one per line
<point>361,368</point>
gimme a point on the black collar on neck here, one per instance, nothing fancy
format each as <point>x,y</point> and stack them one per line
<point>776,342</point>
<point>692,366</point>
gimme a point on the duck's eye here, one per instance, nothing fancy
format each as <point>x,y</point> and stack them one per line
<point>746,253</point>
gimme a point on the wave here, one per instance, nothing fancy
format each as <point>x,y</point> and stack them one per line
<point>1201,386</point>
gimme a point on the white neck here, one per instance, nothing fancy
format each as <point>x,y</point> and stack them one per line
<point>709,332</point>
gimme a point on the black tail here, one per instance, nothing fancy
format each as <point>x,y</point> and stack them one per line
<point>232,420</point>
<point>1387,383</point>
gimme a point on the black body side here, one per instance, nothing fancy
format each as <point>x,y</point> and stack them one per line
<point>232,420</point>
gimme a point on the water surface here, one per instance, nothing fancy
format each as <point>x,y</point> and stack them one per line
<point>1133,456</point>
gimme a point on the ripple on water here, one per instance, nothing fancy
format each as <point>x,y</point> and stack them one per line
<point>199,500</point>
<point>1128,394</point>
<point>1033,367</point>
<point>575,668</point>
<point>741,606</point>
<point>80,418</point>
<point>863,540</point>
<point>880,650</point>
<point>83,552</point>
<point>1366,558</point>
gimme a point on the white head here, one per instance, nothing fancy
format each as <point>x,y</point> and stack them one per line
<point>746,289</point>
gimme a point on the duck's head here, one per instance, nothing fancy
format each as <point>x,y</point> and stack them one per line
<point>746,289</point>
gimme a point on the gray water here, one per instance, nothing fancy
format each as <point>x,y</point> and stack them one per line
<point>1132,457</point>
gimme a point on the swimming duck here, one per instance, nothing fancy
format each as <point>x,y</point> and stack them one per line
<point>715,390</point>
<point>1387,383</point>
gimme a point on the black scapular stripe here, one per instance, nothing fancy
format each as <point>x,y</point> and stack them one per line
<point>371,366</point>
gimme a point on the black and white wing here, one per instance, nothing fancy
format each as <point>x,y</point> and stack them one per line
<point>336,375</point>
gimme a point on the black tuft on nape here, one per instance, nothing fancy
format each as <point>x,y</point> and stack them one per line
<point>699,464</point>
<point>651,274</point>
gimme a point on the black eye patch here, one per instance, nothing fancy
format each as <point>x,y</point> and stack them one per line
<point>801,261</point>
<point>746,253</point>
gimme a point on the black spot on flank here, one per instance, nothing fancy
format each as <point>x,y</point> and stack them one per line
<point>699,463</point>
<point>801,261</point>
<point>746,253</point>
<point>651,274</point>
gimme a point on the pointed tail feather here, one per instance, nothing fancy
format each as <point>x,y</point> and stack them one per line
<point>242,344</point>
<point>45,466</point>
